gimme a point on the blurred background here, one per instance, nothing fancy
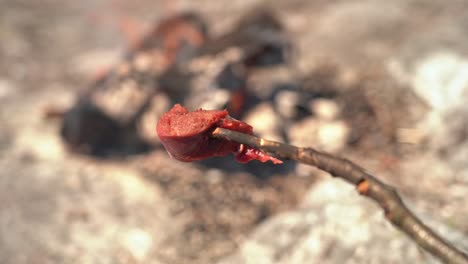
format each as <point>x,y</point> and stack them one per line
<point>84,178</point>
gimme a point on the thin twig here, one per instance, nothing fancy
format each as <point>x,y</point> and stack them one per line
<point>385,195</point>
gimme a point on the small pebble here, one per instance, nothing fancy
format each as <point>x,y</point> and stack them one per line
<point>265,121</point>
<point>286,102</point>
<point>325,109</point>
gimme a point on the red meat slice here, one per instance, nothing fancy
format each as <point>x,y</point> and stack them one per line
<point>186,136</point>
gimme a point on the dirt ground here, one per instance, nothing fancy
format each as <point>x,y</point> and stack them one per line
<point>60,207</point>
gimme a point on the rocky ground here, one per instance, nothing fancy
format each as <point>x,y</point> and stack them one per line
<point>392,79</point>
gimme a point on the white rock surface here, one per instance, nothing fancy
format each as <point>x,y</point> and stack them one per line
<point>441,79</point>
<point>61,209</point>
<point>333,225</point>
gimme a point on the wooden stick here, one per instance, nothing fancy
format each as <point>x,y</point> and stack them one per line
<point>385,195</point>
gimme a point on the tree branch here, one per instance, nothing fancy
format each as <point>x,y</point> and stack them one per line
<point>385,195</point>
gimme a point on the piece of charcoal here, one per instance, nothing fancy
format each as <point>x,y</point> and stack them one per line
<point>87,129</point>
